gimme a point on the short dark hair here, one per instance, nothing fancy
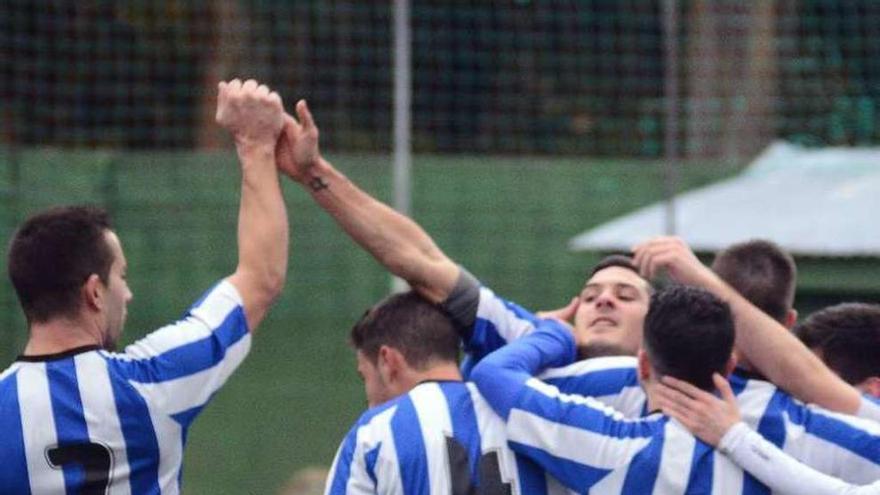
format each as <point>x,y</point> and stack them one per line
<point>620,260</point>
<point>688,334</point>
<point>762,272</point>
<point>421,331</point>
<point>52,254</point>
<point>848,337</point>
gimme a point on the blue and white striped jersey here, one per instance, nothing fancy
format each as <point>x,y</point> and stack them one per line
<point>836,444</point>
<point>441,438</point>
<point>93,422</point>
<point>584,444</point>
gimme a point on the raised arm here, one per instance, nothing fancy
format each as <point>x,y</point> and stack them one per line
<point>775,351</point>
<point>716,421</point>
<point>255,117</point>
<point>396,241</point>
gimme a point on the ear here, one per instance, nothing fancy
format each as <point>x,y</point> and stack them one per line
<point>730,366</point>
<point>791,318</point>
<point>644,366</point>
<point>390,363</point>
<point>93,293</point>
<point>871,386</point>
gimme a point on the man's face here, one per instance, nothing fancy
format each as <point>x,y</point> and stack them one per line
<point>376,388</point>
<point>117,294</point>
<point>612,310</point>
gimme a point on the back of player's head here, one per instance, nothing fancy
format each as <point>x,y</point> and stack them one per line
<point>762,272</point>
<point>421,331</point>
<point>847,337</point>
<point>52,254</point>
<point>618,260</point>
<point>688,334</point>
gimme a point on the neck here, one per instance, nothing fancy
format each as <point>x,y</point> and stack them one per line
<point>650,394</point>
<point>439,372</point>
<point>61,334</point>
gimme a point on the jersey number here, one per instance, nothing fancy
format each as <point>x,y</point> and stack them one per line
<point>95,459</point>
<point>489,475</point>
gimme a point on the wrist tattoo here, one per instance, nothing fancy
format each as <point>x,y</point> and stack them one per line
<point>318,184</point>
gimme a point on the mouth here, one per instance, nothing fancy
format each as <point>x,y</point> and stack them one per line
<point>603,321</point>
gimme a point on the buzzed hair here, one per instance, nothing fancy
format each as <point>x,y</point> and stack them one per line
<point>52,255</point>
<point>421,331</point>
<point>848,337</point>
<point>762,272</point>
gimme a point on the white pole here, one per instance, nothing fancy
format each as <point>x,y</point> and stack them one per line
<point>402,117</point>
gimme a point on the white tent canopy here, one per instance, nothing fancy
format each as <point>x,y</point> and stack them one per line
<point>817,202</point>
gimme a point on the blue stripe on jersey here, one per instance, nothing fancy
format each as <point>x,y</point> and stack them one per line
<point>190,358</point>
<point>67,410</point>
<point>585,418</point>
<point>737,383</point>
<point>370,459</point>
<point>464,424</point>
<point>141,444</point>
<point>641,475</point>
<point>772,428</point>
<point>410,446</point>
<point>532,479</point>
<point>597,383</point>
<point>832,430</point>
<point>14,474</point>
<point>343,463</point>
<point>573,473</point>
<point>702,467</point>
<point>485,339</point>
<point>185,418</point>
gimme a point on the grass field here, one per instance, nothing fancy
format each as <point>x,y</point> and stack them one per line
<point>506,219</point>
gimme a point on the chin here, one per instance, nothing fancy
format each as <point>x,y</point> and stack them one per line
<point>603,349</point>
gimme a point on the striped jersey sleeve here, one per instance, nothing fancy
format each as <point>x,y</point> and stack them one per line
<point>836,444</point>
<point>89,421</point>
<point>179,367</point>
<point>780,472</point>
<point>586,445</point>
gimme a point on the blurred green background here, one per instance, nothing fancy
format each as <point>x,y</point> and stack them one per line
<point>531,122</point>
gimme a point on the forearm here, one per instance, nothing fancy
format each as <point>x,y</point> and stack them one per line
<point>395,240</point>
<point>783,359</point>
<point>262,233</point>
<point>774,468</point>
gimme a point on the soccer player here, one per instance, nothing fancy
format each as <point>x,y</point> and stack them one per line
<point>846,337</point>
<point>427,431</point>
<point>77,417</point>
<point>717,422</point>
<point>688,333</point>
<point>608,315</point>
<point>777,353</point>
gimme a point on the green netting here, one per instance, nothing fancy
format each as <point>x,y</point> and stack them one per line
<point>568,77</point>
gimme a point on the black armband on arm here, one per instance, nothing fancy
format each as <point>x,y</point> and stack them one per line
<point>462,303</point>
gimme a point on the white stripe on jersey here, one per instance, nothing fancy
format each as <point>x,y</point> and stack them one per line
<point>387,470</point>
<point>814,451</point>
<point>102,420</point>
<point>181,394</point>
<point>493,437</point>
<point>675,460</point>
<point>534,431</point>
<point>727,477</point>
<point>38,428</point>
<point>507,324</point>
<point>585,366</point>
<point>205,317</point>
<point>551,391</point>
<point>869,410</point>
<point>429,401</point>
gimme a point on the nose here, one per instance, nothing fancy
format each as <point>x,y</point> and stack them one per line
<point>605,300</point>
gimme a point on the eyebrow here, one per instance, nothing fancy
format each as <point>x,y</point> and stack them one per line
<point>614,284</point>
